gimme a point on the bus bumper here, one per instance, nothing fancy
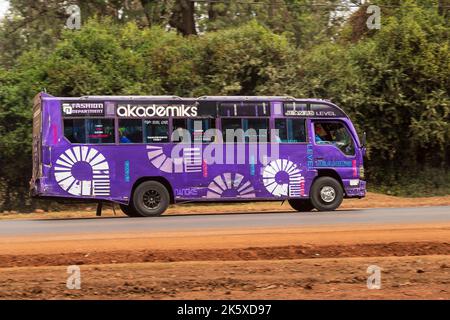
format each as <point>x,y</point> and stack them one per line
<point>354,188</point>
<point>37,188</point>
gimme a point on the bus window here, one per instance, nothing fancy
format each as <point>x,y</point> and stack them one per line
<point>291,130</point>
<point>180,125</point>
<point>130,131</point>
<point>75,130</point>
<point>246,109</point>
<point>281,126</point>
<point>100,130</point>
<point>89,130</point>
<point>334,133</point>
<point>258,127</point>
<point>231,124</point>
<point>297,130</point>
<point>156,130</point>
<point>197,127</point>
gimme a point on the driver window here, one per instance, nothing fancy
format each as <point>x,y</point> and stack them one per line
<point>334,133</point>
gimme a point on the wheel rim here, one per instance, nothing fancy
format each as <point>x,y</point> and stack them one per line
<point>327,194</point>
<point>151,199</point>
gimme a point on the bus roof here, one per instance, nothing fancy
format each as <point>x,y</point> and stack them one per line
<point>314,102</point>
<point>202,98</point>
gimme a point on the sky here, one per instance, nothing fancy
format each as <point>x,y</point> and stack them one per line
<point>4,4</point>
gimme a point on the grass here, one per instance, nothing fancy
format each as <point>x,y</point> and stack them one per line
<point>426,183</point>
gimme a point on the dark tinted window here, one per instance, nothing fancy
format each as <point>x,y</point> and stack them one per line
<point>291,130</point>
<point>156,130</point>
<point>130,131</point>
<point>232,124</point>
<point>297,130</point>
<point>253,129</point>
<point>75,130</point>
<point>89,130</point>
<point>256,130</point>
<point>197,127</point>
<point>179,125</point>
<point>246,109</point>
<point>281,126</point>
<point>100,130</point>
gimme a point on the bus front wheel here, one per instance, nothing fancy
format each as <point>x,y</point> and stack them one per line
<point>151,199</point>
<point>326,194</point>
<point>301,205</point>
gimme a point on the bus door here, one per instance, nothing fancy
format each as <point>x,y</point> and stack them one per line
<point>334,147</point>
<point>292,171</point>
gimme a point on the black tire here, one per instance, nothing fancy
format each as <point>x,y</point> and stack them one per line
<point>129,210</point>
<point>301,205</point>
<point>326,194</point>
<point>150,199</point>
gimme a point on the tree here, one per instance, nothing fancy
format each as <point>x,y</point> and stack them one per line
<point>182,18</point>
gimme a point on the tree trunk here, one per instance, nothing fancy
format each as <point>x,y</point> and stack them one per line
<point>212,13</point>
<point>443,7</point>
<point>183,17</point>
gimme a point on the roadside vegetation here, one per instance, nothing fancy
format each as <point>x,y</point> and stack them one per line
<point>393,82</point>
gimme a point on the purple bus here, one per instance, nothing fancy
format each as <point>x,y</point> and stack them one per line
<point>147,152</point>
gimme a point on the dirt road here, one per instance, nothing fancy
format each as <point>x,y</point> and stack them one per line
<point>253,256</point>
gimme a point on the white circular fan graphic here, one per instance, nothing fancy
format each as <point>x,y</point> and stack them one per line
<point>293,184</point>
<point>230,185</point>
<point>97,181</point>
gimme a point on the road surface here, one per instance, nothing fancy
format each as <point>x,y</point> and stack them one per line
<point>224,221</point>
<point>221,256</point>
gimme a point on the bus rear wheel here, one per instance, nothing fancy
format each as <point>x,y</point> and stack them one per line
<point>326,194</point>
<point>129,210</point>
<point>301,205</point>
<point>150,199</point>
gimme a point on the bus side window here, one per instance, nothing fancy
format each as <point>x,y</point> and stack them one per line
<point>232,124</point>
<point>253,130</point>
<point>156,130</point>
<point>281,126</point>
<point>75,130</point>
<point>179,125</point>
<point>89,130</point>
<point>130,131</point>
<point>290,130</point>
<point>298,130</point>
<point>334,133</point>
<point>100,130</point>
<point>256,126</point>
<point>197,128</point>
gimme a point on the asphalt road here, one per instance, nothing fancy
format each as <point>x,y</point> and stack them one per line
<point>224,221</point>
